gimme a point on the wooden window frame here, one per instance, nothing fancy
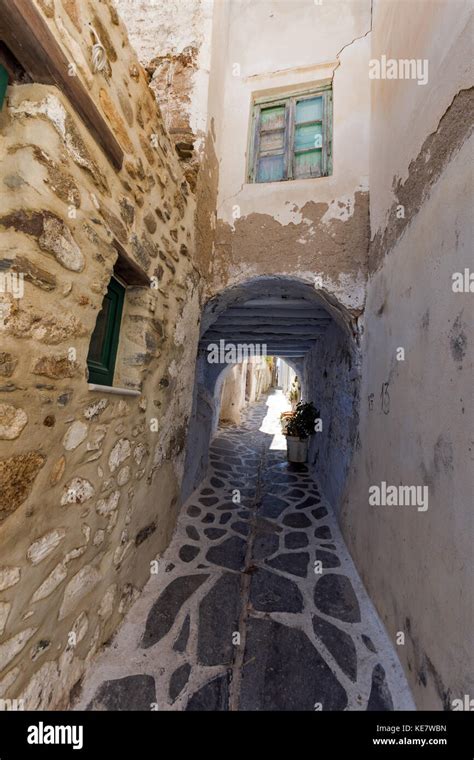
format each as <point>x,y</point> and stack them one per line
<point>102,372</point>
<point>289,102</point>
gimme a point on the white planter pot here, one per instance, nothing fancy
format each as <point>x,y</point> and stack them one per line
<point>297,449</point>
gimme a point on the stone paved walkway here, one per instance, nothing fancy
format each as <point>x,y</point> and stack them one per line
<point>237,618</point>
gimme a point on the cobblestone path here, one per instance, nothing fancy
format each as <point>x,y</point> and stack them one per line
<point>256,605</point>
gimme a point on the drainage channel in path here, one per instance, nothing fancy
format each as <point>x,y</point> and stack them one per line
<point>257,606</point>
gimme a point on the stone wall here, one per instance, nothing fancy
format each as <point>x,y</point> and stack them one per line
<point>89,481</point>
<point>176,43</point>
<point>173,42</point>
<point>416,408</point>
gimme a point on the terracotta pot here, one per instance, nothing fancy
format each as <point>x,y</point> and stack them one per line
<point>284,417</point>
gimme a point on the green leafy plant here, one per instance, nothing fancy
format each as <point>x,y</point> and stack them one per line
<point>301,424</point>
<point>293,395</point>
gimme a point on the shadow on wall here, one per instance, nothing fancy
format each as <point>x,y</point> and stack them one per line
<point>332,380</point>
<point>311,331</point>
<point>207,398</point>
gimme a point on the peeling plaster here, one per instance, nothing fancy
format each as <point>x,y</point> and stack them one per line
<point>335,249</point>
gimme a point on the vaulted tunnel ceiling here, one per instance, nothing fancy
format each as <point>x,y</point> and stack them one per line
<point>289,326</point>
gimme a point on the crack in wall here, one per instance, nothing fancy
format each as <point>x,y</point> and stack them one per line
<point>348,44</point>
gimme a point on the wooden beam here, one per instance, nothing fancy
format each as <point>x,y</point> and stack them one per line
<point>270,344</point>
<point>128,269</point>
<point>287,340</point>
<point>16,72</point>
<point>269,321</point>
<point>273,311</point>
<point>278,301</point>
<point>272,351</point>
<point>271,333</point>
<point>26,33</point>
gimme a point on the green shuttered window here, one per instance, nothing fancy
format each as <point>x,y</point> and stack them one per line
<point>3,84</point>
<point>292,137</point>
<point>105,338</point>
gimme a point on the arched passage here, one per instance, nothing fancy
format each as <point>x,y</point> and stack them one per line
<point>266,590</point>
<point>289,318</point>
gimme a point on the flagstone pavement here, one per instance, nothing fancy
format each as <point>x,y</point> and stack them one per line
<point>256,604</point>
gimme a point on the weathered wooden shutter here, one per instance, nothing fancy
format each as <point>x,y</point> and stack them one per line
<point>271,143</point>
<point>292,137</point>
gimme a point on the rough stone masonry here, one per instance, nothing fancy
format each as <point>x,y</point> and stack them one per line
<point>81,471</point>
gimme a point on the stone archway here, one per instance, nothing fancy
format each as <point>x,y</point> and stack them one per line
<point>307,327</point>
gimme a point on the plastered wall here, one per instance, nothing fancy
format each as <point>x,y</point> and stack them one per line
<point>332,383</point>
<point>305,227</point>
<point>416,413</point>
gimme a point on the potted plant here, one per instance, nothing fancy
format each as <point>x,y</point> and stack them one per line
<point>299,427</point>
<point>284,419</point>
<point>294,393</point>
<point>293,397</point>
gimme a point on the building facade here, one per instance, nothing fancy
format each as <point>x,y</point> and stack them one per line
<point>181,163</point>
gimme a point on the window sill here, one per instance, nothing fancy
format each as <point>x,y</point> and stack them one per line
<point>111,389</point>
<point>286,181</point>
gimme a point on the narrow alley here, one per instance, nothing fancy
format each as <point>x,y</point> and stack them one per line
<point>236,362</point>
<point>239,615</point>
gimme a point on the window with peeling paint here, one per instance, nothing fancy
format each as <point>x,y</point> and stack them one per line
<point>291,137</point>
